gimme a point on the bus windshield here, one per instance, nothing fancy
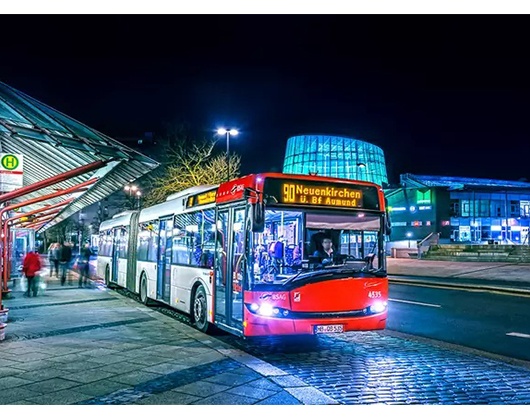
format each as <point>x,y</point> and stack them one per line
<point>297,244</point>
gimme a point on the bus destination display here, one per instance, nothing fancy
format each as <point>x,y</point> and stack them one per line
<point>301,192</point>
<point>201,199</point>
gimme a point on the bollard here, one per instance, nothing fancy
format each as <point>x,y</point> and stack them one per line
<point>2,332</point>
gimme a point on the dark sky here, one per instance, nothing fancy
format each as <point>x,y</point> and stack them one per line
<point>440,95</point>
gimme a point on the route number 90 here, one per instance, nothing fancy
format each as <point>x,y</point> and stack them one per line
<point>374,294</point>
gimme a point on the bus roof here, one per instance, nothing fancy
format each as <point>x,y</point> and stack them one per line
<point>121,219</point>
<point>191,191</point>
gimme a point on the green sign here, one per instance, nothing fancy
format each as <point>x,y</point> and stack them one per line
<point>10,162</point>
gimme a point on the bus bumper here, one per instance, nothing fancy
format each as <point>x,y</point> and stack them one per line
<point>255,325</point>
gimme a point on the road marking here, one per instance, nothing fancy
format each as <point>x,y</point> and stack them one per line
<point>463,288</point>
<point>415,303</point>
<point>516,334</point>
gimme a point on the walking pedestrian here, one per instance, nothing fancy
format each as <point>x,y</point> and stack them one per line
<point>53,256</point>
<point>31,266</point>
<point>84,265</point>
<point>64,260</point>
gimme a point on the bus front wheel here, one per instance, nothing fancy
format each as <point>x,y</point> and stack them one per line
<point>200,309</point>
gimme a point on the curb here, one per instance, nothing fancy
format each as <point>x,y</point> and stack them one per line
<point>434,283</point>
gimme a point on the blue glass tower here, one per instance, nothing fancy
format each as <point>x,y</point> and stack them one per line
<point>339,157</point>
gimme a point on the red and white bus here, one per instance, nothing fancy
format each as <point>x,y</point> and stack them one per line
<point>247,255</point>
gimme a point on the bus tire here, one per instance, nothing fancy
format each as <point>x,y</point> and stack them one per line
<point>199,309</point>
<point>143,290</point>
<point>107,277</point>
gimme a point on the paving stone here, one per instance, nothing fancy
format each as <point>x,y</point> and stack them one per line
<point>26,357</point>
<point>310,395</point>
<point>107,360</point>
<point>121,367</point>
<point>63,397</point>
<point>67,358</point>
<point>287,381</point>
<point>168,398</point>
<point>153,360</point>
<point>51,385</point>
<point>80,366</point>
<point>16,394</point>
<point>245,371</point>
<point>12,382</point>
<point>135,378</point>
<point>251,392</point>
<point>201,388</point>
<point>7,362</point>
<point>225,398</point>
<point>264,383</point>
<point>87,376</point>
<point>229,379</point>
<point>42,374</point>
<point>281,398</point>
<point>164,368</point>
<point>98,353</point>
<point>23,402</point>
<point>9,371</point>
<point>102,387</point>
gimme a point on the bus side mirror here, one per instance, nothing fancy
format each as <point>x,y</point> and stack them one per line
<point>388,225</point>
<point>257,217</point>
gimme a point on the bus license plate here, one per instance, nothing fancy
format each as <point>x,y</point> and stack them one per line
<point>329,329</point>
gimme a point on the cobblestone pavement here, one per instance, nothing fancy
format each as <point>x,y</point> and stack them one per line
<point>375,367</point>
<point>94,346</point>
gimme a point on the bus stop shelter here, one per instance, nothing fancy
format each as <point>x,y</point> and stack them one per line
<point>52,166</point>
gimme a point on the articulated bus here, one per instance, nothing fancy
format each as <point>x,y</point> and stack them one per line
<point>247,255</point>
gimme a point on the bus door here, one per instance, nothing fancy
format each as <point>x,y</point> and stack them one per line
<point>115,253</point>
<point>163,284</point>
<point>230,269</point>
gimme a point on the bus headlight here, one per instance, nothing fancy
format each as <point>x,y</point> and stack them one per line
<point>378,307</point>
<point>266,309</point>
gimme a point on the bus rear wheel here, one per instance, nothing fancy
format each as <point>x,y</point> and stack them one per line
<point>199,310</point>
<point>143,290</point>
<point>107,276</point>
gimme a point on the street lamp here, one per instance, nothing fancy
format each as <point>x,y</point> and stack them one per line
<point>409,235</point>
<point>133,192</point>
<point>231,132</point>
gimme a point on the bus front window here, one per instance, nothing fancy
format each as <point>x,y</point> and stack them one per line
<point>295,242</point>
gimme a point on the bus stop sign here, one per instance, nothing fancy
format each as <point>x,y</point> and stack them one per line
<point>11,172</point>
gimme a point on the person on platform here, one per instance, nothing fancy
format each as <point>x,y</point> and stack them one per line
<point>53,256</point>
<point>65,257</point>
<point>31,266</point>
<point>84,265</point>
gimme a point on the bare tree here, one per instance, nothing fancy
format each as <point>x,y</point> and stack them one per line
<point>192,164</point>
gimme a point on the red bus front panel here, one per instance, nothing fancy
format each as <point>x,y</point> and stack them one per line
<point>349,304</point>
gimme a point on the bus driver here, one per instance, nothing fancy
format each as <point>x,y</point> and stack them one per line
<point>327,253</point>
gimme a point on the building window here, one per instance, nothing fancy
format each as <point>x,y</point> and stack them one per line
<point>465,208</point>
<point>454,208</point>
<point>515,209</point>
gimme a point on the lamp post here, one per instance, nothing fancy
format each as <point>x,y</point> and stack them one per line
<point>231,132</point>
<point>134,193</point>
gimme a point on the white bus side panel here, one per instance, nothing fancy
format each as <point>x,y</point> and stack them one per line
<point>149,268</point>
<point>182,280</point>
<point>102,264</point>
<point>122,272</point>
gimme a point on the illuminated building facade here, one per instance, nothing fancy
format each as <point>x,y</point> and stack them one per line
<point>339,157</point>
<point>462,210</point>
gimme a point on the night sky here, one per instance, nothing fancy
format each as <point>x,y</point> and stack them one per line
<point>440,95</point>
